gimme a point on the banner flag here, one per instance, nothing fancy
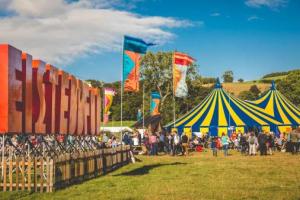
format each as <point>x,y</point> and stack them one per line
<point>155,100</point>
<point>139,115</point>
<point>180,63</point>
<point>133,48</point>
<point>109,93</point>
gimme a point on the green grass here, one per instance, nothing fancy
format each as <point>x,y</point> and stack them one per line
<point>199,176</point>
<point>118,123</point>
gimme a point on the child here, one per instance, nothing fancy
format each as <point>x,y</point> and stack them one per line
<point>214,146</point>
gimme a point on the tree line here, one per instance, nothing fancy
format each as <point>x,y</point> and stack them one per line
<point>156,75</point>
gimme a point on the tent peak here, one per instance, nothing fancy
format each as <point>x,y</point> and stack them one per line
<point>218,84</point>
<point>273,86</point>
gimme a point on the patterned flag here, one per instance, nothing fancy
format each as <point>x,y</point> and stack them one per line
<point>155,100</point>
<point>133,48</point>
<point>181,62</point>
<point>109,93</point>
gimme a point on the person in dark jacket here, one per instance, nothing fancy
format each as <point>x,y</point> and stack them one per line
<point>185,144</point>
<point>294,137</point>
<point>243,144</point>
<point>213,146</point>
<point>262,140</point>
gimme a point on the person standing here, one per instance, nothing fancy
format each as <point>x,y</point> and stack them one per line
<point>252,144</point>
<point>169,143</point>
<point>298,143</point>
<point>270,143</point>
<point>262,140</point>
<point>294,141</point>
<point>161,144</point>
<point>213,146</point>
<point>243,143</point>
<point>153,144</point>
<point>185,144</point>
<point>176,143</point>
<point>225,143</point>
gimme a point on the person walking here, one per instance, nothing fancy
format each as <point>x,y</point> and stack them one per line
<point>225,143</point>
<point>185,144</point>
<point>252,144</point>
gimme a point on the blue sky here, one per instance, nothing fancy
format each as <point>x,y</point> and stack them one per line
<point>249,37</point>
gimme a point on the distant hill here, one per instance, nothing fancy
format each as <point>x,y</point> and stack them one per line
<point>276,76</point>
<point>263,84</point>
<point>236,87</point>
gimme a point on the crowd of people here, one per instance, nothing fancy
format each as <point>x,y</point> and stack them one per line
<point>250,143</point>
<point>173,143</point>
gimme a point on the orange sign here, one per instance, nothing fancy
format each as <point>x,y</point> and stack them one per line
<point>41,99</point>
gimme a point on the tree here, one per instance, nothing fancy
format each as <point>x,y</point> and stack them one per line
<point>156,71</point>
<point>247,95</point>
<point>241,80</point>
<point>95,83</point>
<point>228,77</point>
<point>251,94</point>
<point>254,90</point>
<point>290,87</point>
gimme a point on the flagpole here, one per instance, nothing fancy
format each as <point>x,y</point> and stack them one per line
<point>173,62</point>
<point>143,106</point>
<point>103,92</point>
<point>122,89</point>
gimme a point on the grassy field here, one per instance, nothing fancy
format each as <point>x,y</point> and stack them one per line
<point>118,123</point>
<point>199,176</point>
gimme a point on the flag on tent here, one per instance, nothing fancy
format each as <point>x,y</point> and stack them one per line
<point>180,63</point>
<point>109,93</point>
<point>155,100</point>
<point>133,48</point>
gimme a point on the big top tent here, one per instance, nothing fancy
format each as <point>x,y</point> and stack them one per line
<point>278,106</point>
<point>220,111</point>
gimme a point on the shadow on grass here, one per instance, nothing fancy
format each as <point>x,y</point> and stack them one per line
<point>146,169</point>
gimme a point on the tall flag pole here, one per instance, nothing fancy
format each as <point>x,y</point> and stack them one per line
<point>181,61</point>
<point>143,106</point>
<point>121,85</point>
<point>132,50</point>
<point>174,106</point>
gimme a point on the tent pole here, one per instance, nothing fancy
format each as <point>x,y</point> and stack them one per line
<point>229,115</point>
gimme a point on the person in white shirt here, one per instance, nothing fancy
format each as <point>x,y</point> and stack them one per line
<point>252,144</point>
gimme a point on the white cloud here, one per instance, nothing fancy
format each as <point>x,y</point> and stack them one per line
<point>57,31</point>
<point>254,18</point>
<point>216,14</point>
<point>273,4</point>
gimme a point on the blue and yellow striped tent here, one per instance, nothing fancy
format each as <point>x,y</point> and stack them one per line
<point>275,104</point>
<point>219,111</point>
